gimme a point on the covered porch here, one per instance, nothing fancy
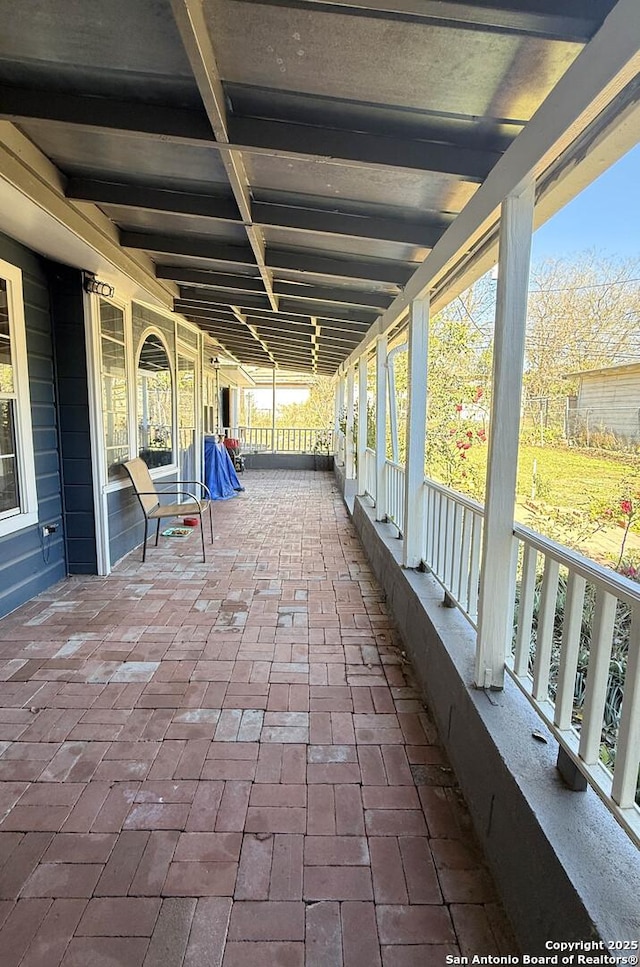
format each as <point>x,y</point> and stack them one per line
<point>191,188</point>
<point>231,763</point>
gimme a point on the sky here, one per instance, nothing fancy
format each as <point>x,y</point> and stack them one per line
<point>263,397</point>
<point>605,216</point>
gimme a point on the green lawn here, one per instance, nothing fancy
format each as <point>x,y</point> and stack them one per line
<point>570,478</point>
<point>566,478</point>
<point>572,481</point>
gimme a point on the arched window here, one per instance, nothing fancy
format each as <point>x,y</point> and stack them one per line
<point>155,403</point>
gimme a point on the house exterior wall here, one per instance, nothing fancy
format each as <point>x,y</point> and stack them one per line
<point>96,517</point>
<point>30,563</point>
<point>611,403</point>
<point>126,526</point>
<point>68,313</point>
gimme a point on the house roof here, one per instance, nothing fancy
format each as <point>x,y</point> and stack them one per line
<point>287,167</point>
<point>609,371</point>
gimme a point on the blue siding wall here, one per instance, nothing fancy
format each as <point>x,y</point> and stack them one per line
<point>126,527</point>
<point>29,563</point>
<point>67,305</point>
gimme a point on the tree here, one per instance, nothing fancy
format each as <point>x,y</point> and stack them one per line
<point>458,370</point>
<point>457,398</point>
<point>583,314</point>
<point>316,412</point>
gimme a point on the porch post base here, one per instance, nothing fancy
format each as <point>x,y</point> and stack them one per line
<point>570,773</point>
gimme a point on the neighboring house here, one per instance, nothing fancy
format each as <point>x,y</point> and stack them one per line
<point>607,404</point>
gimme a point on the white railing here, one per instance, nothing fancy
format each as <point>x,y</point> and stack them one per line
<point>571,613</point>
<point>370,473</point>
<point>394,480</point>
<point>286,440</point>
<point>453,545</point>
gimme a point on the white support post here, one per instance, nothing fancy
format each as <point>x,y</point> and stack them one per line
<point>393,401</point>
<point>414,504</point>
<point>362,424</point>
<point>497,581</point>
<point>234,420</point>
<point>273,413</point>
<point>381,427</point>
<point>338,408</point>
<point>348,443</point>
<point>393,408</point>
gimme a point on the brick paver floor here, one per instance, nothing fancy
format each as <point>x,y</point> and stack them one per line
<point>228,764</point>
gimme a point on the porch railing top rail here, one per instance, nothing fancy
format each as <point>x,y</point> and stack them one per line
<point>459,498</point>
<point>285,439</point>
<point>616,584</point>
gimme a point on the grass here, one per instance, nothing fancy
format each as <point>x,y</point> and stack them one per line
<point>572,481</point>
<point>566,478</point>
<point>569,478</point>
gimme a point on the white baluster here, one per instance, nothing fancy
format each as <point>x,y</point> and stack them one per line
<point>571,629</point>
<point>525,611</point>
<point>544,636</point>
<point>625,775</point>
<point>597,676</point>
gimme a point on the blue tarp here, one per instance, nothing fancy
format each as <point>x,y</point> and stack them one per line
<point>219,473</point>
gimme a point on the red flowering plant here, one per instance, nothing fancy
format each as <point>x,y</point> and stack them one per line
<point>630,569</point>
<point>452,435</point>
<point>629,514</point>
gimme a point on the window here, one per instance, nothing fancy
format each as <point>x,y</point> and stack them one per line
<point>18,498</point>
<point>9,494</point>
<point>155,403</point>
<point>115,409</point>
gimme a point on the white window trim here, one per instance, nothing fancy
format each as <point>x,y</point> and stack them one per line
<point>27,516</point>
<point>98,463</point>
<point>124,308</point>
<point>182,349</point>
<point>157,473</point>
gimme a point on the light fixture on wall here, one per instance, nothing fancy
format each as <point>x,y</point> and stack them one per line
<point>94,286</point>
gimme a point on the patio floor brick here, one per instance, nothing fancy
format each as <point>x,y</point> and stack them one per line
<point>228,764</point>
